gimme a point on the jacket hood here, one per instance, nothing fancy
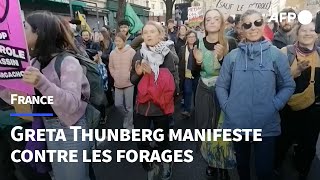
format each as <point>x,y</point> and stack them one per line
<point>125,49</point>
<point>253,50</point>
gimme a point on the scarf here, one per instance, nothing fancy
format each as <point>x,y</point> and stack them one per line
<point>190,59</point>
<point>154,56</point>
<point>302,50</point>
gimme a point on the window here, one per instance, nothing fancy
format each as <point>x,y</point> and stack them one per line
<point>152,6</point>
<point>161,4</point>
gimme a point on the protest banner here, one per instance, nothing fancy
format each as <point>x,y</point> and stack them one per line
<point>195,15</point>
<point>240,6</point>
<point>14,56</point>
<point>312,5</point>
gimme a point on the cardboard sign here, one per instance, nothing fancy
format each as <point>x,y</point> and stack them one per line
<point>241,6</point>
<point>14,56</point>
<point>195,15</point>
<point>312,5</point>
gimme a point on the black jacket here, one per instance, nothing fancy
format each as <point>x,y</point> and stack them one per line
<point>178,44</point>
<point>92,45</point>
<point>182,66</point>
<point>169,60</point>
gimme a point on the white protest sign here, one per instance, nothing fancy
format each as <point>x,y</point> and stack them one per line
<point>240,6</point>
<point>194,12</point>
<point>195,15</point>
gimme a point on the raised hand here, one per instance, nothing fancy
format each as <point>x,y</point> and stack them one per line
<point>198,55</point>
<point>138,68</point>
<point>218,50</point>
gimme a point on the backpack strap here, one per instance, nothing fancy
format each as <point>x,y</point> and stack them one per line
<point>58,63</point>
<point>318,50</point>
<point>57,68</point>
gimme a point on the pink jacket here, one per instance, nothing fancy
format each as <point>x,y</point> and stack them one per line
<point>120,66</point>
<point>66,92</point>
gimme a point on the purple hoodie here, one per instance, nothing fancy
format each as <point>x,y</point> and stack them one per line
<point>66,91</point>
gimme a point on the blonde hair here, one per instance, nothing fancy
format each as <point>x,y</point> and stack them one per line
<point>221,35</point>
<point>158,26</point>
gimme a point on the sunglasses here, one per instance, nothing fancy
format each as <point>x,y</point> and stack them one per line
<point>256,23</point>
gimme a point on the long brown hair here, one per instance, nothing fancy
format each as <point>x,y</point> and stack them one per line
<point>187,29</point>
<point>53,36</point>
<point>221,35</point>
<point>106,40</point>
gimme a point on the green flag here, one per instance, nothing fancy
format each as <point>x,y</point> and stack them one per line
<point>135,22</point>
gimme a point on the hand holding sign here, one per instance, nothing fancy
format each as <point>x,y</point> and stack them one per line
<point>32,76</point>
<point>240,6</point>
<point>13,48</point>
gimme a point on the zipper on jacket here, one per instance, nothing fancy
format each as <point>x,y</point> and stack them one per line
<point>148,109</point>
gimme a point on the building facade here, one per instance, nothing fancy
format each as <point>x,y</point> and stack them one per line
<point>112,6</point>
<point>97,12</point>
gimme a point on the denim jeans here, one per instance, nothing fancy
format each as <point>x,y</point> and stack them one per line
<point>67,170</point>
<point>264,156</point>
<point>190,86</point>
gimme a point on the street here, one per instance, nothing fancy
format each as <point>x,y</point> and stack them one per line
<point>181,171</point>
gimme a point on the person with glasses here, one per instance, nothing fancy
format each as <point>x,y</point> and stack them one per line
<point>255,82</point>
<point>188,77</point>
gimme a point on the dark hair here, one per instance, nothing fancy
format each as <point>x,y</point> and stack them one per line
<point>230,20</point>
<point>66,25</point>
<point>186,27</point>
<point>124,22</point>
<point>53,36</point>
<point>122,36</point>
<point>275,25</point>
<point>106,40</point>
<point>192,32</point>
<point>85,31</point>
<point>286,10</point>
<point>237,19</point>
<point>91,53</point>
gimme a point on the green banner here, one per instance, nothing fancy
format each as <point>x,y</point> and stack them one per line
<point>135,22</point>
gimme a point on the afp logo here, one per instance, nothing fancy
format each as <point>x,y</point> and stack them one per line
<point>304,17</point>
